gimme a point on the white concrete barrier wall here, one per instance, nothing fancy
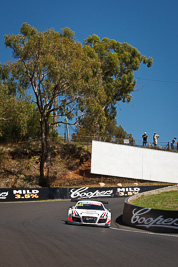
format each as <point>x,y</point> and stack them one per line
<point>133,162</point>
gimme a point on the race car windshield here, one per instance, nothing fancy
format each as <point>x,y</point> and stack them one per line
<point>89,207</point>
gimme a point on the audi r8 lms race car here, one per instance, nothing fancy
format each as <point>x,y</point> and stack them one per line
<point>87,212</point>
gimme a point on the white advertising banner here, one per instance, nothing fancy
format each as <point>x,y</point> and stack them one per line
<point>134,162</point>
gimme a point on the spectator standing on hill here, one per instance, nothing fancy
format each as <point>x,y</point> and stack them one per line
<point>155,139</point>
<point>174,141</point>
<point>144,136</point>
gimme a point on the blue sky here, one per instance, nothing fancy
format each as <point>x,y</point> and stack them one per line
<point>150,26</point>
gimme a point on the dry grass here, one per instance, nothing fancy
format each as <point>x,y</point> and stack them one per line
<point>70,166</point>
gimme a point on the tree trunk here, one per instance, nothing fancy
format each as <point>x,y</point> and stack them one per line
<point>54,117</point>
<point>45,153</point>
<point>67,129</point>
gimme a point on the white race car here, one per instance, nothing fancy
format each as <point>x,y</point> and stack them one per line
<point>89,212</point>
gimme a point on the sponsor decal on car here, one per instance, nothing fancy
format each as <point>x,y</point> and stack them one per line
<point>79,205</point>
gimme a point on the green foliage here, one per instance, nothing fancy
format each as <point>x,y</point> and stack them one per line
<point>19,119</point>
<point>68,33</point>
<point>59,69</point>
<point>55,67</point>
<point>112,133</point>
<point>118,63</point>
<point>116,133</point>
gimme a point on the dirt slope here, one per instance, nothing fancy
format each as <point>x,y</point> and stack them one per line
<point>70,166</point>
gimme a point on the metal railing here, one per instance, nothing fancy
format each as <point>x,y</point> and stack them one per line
<point>87,140</point>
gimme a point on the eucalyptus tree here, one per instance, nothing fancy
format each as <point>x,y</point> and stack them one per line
<point>55,67</point>
<point>119,61</point>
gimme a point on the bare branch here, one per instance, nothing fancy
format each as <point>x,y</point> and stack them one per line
<point>69,123</point>
<point>3,119</point>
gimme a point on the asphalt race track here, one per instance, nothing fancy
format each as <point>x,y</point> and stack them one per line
<point>35,234</point>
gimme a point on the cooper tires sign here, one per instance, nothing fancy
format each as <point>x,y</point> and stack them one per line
<point>160,221</point>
